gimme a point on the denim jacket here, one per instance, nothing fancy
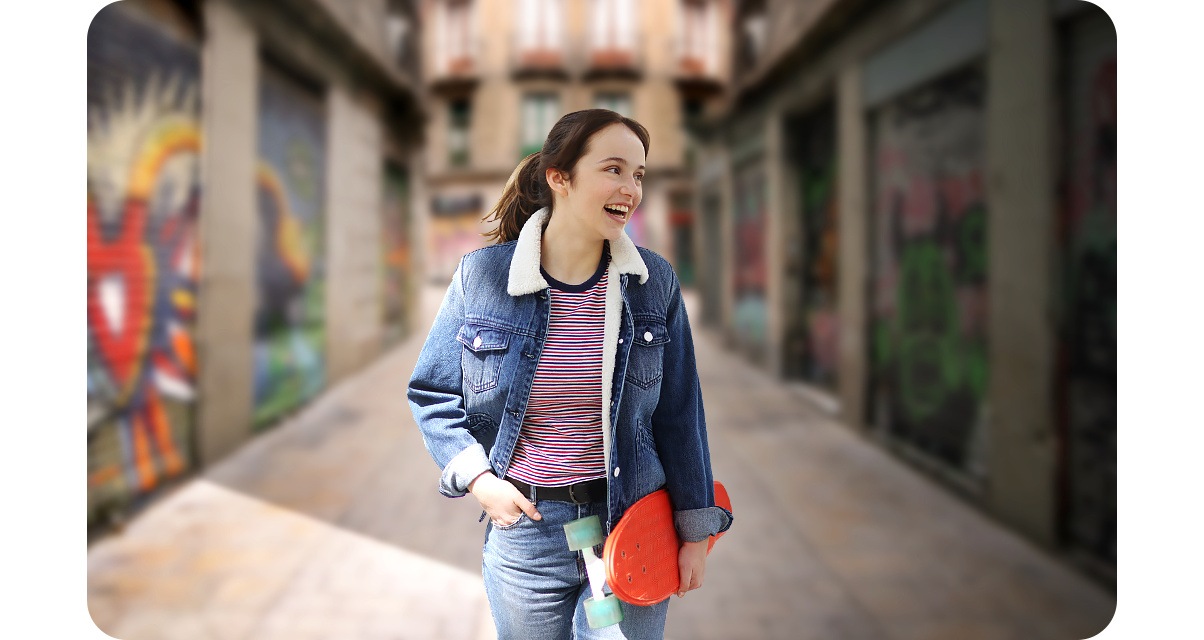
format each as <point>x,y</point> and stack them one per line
<point>471,384</point>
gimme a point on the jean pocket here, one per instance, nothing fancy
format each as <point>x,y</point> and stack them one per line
<point>484,349</point>
<point>522,515</point>
<point>646,363</point>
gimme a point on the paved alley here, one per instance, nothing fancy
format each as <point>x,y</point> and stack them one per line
<point>330,526</point>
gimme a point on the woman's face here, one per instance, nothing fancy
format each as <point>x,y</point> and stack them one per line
<point>608,183</point>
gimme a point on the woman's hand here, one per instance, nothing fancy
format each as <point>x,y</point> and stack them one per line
<point>501,500</point>
<point>692,561</point>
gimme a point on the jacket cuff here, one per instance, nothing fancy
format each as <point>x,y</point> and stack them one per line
<point>694,525</point>
<point>463,469</point>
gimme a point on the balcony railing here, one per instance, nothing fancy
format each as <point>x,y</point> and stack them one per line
<point>544,59</point>
<point>607,58</point>
<point>695,70</point>
<point>457,70</point>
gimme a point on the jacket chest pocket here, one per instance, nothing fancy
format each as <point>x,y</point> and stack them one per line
<point>646,363</point>
<point>481,360</point>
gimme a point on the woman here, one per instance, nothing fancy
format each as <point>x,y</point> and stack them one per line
<point>558,381</point>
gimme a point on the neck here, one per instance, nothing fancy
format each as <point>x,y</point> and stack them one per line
<point>566,255</point>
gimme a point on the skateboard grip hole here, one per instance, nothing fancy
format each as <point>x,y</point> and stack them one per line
<point>644,569</point>
<point>623,554</point>
<point>637,546</point>
<point>629,578</point>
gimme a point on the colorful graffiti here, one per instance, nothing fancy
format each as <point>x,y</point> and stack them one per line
<point>750,277</point>
<point>289,366</point>
<point>396,289</point>
<point>813,330</point>
<point>929,364</point>
<point>142,207</point>
<point>1086,384</point>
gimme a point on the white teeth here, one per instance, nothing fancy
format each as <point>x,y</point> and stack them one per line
<point>618,207</point>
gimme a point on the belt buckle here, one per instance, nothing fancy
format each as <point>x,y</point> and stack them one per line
<point>573,496</point>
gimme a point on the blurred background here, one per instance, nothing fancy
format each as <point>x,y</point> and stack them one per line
<point>900,212</point>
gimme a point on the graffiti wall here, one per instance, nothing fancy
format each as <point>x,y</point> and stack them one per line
<point>928,290</point>
<point>711,279</point>
<point>396,289</point>
<point>750,275</point>
<point>812,329</point>
<point>1086,385</point>
<point>455,229</point>
<point>143,198</point>
<point>290,190</point>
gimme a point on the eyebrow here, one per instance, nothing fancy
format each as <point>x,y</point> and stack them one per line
<point>616,159</point>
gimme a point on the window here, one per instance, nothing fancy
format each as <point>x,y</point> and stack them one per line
<point>459,118</point>
<point>698,47</point>
<point>612,25</point>
<point>398,35</point>
<point>618,102</point>
<point>457,36</point>
<point>542,24</point>
<point>540,112</point>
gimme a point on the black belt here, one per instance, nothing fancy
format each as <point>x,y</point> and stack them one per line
<point>580,493</point>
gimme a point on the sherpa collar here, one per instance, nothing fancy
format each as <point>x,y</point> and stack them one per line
<point>524,266</point>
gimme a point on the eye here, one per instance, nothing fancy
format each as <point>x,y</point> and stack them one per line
<point>613,169</point>
<point>639,176</point>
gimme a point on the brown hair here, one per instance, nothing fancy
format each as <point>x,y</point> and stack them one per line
<point>527,189</point>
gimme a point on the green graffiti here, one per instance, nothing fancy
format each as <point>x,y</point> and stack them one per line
<point>932,360</point>
<point>972,244</point>
<point>882,344</point>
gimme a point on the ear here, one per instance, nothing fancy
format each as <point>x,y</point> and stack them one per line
<point>558,181</point>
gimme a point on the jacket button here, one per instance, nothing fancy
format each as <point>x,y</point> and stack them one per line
<point>476,342</point>
<point>616,472</point>
<point>620,341</point>
<point>647,336</point>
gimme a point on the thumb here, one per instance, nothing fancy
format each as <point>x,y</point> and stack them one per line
<point>528,508</point>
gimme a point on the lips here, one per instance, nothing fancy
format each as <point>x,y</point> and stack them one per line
<point>617,211</point>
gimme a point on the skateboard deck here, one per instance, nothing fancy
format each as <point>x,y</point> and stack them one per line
<point>641,551</point>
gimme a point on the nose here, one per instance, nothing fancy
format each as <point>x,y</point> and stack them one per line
<point>629,187</point>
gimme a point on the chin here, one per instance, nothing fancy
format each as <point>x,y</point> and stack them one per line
<point>613,233</point>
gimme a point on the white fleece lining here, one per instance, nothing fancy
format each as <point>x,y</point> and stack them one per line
<point>610,347</point>
<point>525,278</point>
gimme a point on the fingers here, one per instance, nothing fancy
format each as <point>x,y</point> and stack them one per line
<point>528,508</point>
<point>690,580</point>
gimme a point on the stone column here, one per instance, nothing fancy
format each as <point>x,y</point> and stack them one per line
<point>1020,197</point>
<point>353,209</point>
<point>853,266</point>
<point>775,238</point>
<point>228,228</point>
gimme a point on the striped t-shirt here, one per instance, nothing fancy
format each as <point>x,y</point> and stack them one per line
<point>561,438</point>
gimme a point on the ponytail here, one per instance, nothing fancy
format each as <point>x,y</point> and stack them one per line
<point>525,192</point>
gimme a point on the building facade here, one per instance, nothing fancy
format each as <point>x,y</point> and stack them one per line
<point>249,214</point>
<point>914,206</point>
<point>500,73</point>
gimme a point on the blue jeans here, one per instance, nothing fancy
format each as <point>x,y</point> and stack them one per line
<point>537,587</point>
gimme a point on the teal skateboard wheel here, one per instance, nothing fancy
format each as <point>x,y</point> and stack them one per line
<point>584,533</point>
<point>603,613</point>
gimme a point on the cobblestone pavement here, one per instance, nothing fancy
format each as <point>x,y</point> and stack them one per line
<point>330,526</point>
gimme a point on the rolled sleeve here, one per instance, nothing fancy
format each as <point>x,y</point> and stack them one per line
<point>694,525</point>
<point>463,469</point>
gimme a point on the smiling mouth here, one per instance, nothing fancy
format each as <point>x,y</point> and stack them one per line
<point>618,212</point>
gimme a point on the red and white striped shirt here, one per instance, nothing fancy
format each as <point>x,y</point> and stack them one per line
<point>561,438</point>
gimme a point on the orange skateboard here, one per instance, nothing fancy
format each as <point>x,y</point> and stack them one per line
<point>641,551</point>
<point>639,559</point>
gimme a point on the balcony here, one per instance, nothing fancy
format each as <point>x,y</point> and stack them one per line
<point>457,71</point>
<point>537,60</point>
<point>695,69</point>
<point>609,58</point>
